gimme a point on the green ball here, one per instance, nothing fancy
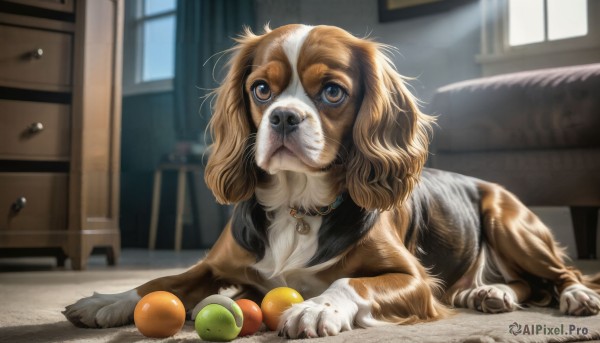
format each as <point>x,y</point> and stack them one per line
<point>218,324</point>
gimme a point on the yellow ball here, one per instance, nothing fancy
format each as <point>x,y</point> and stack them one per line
<point>276,302</point>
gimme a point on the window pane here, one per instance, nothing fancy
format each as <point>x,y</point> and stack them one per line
<point>567,18</point>
<point>526,21</point>
<point>158,6</point>
<point>159,48</point>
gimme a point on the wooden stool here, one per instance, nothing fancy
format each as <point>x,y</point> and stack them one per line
<point>182,170</point>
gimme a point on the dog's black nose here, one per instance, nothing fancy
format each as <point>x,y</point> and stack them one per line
<point>284,120</point>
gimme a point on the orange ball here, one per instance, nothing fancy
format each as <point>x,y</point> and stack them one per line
<point>253,316</point>
<point>276,302</point>
<point>159,314</point>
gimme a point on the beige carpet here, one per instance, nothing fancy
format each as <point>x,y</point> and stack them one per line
<point>30,306</point>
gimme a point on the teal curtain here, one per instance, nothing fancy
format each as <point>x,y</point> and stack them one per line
<point>205,28</point>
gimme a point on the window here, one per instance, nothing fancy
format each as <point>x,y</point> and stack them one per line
<point>535,21</point>
<point>532,34</point>
<point>157,28</point>
<point>149,61</point>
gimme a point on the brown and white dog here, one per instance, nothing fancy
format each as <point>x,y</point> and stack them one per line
<point>320,145</point>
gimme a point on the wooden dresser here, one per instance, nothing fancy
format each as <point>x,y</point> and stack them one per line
<point>60,118</point>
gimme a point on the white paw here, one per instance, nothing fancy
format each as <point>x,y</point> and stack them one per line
<point>317,317</point>
<point>489,299</point>
<point>578,300</point>
<point>103,310</point>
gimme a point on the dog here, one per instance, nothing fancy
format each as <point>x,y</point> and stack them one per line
<point>321,147</point>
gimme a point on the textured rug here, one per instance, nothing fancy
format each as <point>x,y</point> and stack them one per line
<point>31,303</point>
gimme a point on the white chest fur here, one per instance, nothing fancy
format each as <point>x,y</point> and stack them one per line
<point>289,252</point>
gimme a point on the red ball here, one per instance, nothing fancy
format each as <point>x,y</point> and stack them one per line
<point>252,317</point>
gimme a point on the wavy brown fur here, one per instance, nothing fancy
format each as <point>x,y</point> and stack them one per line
<point>391,135</point>
<point>230,173</point>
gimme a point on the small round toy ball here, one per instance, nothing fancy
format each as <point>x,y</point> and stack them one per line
<point>218,319</point>
<point>276,302</point>
<point>252,316</point>
<point>159,314</point>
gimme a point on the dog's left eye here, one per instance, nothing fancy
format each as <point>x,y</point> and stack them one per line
<point>332,94</point>
<point>262,91</point>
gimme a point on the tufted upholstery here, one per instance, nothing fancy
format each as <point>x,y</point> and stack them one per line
<point>543,109</point>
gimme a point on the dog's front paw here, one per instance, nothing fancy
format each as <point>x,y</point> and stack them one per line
<point>316,317</point>
<point>103,310</point>
<point>578,300</point>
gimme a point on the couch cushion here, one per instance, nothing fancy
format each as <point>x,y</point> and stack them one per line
<point>540,109</point>
<point>538,177</point>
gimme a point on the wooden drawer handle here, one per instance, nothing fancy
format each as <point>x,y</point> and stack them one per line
<point>37,53</point>
<point>19,204</point>
<point>36,127</point>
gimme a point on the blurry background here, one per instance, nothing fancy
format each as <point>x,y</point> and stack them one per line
<point>436,46</point>
<point>172,56</point>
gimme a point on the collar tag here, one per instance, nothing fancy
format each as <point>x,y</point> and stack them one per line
<point>302,227</point>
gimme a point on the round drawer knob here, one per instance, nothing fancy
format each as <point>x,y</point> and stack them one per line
<point>36,127</point>
<point>19,204</point>
<point>38,53</point>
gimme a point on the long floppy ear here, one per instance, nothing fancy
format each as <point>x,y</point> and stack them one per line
<point>230,172</point>
<point>390,134</point>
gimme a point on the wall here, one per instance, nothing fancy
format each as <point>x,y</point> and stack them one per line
<point>147,134</point>
<point>437,49</point>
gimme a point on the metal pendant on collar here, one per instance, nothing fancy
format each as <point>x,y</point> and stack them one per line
<point>302,227</point>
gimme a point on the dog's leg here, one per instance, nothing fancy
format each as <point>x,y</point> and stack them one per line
<point>366,302</point>
<point>225,264</point>
<point>488,287</point>
<point>521,243</point>
<point>400,291</point>
<point>108,310</point>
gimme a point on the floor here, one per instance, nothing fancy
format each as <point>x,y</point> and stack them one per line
<point>34,291</point>
<point>143,259</point>
<point>130,259</point>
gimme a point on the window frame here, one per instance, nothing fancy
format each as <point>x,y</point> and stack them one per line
<point>495,35</point>
<point>546,45</point>
<point>134,49</point>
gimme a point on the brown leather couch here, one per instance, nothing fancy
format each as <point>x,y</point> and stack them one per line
<point>537,133</point>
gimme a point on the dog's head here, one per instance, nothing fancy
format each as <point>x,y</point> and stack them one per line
<point>304,99</point>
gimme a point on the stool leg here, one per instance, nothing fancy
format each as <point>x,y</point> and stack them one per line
<point>585,221</point>
<point>194,204</point>
<point>61,257</point>
<point>155,209</point>
<point>180,205</point>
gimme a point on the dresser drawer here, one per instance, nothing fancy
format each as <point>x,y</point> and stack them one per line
<point>34,131</point>
<point>55,5</point>
<point>33,201</point>
<point>35,59</point>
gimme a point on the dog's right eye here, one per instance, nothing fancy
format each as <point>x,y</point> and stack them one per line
<point>261,91</point>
